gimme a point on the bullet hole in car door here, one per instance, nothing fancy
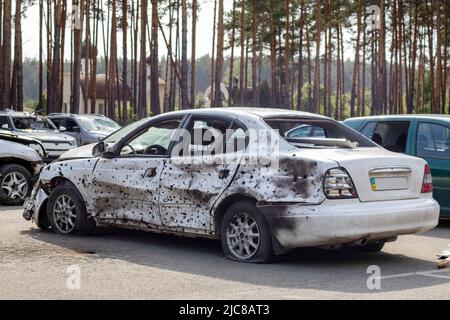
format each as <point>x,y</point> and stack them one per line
<point>198,172</point>
<point>128,185</point>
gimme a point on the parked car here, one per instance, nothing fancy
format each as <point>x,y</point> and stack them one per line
<point>259,199</point>
<point>20,161</point>
<point>39,128</point>
<point>86,128</point>
<point>423,136</point>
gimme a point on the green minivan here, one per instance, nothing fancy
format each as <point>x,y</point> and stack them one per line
<point>423,136</point>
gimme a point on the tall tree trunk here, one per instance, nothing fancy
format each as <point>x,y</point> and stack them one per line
<point>219,61</point>
<point>41,59</point>
<point>6,56</point>
<point>273,57</point>
<point>232,45</point>
<point>142,109</point>
<point>1,54</point>
<point>431,57</point>
<point>310,85</point>
<point>316,96</point>
<point>243,62</point>
<point>54,90</point>
<point>412,70</point>
<point>78,34</point>
<point>213,55</point>
<point>154,80</point>
<point>124,24</point>
<point>327,105</point>
<point>17,80</point>
<point>112,69</point>
<point>300,57</point>
<point>439,71</point>
<point>287,57</point>
<point>355,78</point>
<point>254,54</point>
<point>193,55</point>
<point>184,61</point>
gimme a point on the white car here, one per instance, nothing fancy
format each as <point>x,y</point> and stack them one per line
<point>236,175</point>
<point>20,161</point>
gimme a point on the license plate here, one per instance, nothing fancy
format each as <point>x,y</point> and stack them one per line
<point>389,183</point>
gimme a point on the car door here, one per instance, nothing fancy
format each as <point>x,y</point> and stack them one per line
<point>433,145</point>
<point>127,185</point>
<point>200,169</point>
<point>390,134</point>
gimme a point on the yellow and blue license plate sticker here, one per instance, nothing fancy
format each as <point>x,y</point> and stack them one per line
<point>373,183</point>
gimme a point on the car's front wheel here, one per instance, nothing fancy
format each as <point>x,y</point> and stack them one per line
<point>245,234</point>
<point>67,212</point>
<point>15,184</point>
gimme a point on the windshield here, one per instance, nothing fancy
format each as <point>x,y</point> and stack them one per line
<point>317,132</point>
<point>33,123</point>
<point>116,136</point>
<point>98,124</point>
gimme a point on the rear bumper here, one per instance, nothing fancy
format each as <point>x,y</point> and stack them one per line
<point>346,221</point>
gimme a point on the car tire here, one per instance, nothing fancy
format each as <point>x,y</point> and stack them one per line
<point>372,247</point>
<point>15,184</point>
<point>245,234</point>
<point>66,211</point>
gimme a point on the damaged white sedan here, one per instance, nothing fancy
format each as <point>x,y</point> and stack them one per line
<point>262,181</point>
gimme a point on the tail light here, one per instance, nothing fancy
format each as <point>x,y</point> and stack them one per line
<point>338,184</point>
<point>427,185</point>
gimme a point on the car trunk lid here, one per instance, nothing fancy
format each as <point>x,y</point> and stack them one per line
<point>378,174</point>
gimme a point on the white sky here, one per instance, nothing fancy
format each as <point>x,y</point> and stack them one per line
<point>30,26</point>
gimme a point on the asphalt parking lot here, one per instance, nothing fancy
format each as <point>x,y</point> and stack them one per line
<point>118,264</point>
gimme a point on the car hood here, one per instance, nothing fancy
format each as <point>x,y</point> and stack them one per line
<point>47,136</point>
<point>77,153</point>
<point>13,149</point>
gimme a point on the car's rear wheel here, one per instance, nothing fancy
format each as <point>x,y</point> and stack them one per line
<point>245,234</point>
<point>15,184</point>
<point>67,212</point>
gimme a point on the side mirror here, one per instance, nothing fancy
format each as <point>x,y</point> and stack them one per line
<point>62,129</point>
<point>76,129</point>
<point>6,127</point>
<point>101,150</point>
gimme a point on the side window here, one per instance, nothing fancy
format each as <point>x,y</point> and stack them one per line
<point>154,141</point>
<point>369,130</point>
<point>206,137</point>
<point>4,123</point>
<point>392,135</point>
<point>71,125</point>
<point>433,141</point>
<point>58,122</point>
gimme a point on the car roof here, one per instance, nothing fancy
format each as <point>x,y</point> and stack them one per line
<point>255,112</point>
<point>72,115</point>
<point>404,117</point>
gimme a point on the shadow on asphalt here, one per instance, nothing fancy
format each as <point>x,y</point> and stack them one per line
<point>303,268</point>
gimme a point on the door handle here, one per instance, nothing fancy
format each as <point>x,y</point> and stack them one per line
<point>223,174</point>
<point>150,173</point>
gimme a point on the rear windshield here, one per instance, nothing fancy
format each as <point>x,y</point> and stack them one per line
<point>317,129</point>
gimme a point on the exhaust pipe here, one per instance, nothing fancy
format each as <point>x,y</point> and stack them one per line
<point>359,243</point>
